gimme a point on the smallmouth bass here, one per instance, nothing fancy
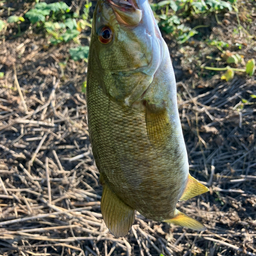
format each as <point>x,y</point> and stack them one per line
<point>133,119</point>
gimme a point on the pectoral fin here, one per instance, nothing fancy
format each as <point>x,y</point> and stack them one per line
<point>183,220</point>
<point>193,188</point>
<point>158,127</point>
<point>117,215</point>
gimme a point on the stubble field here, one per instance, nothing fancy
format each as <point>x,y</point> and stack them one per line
<point>49,189</point>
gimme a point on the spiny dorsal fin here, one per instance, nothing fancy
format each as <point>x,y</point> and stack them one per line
<point>117,215</point>
<point>183,220</point>
<point>193,188</point>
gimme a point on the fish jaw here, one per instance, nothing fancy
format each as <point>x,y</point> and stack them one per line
<point>126,12</point>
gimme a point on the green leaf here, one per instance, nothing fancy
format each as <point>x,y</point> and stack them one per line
<point>163,3</point>
<point>2,25</point>
<point>13,19</point>
<point>71,23</point>
<point>1,75</point>
<point>53,26</point>
<point>35,15</point>
<point>201,6</point>
<point>250,67</point>
<point>41,6</point>
<point>69,35</point>
<point>253,96</point>
<point>185,36</point>
<point>229,74</point>
<point>219,5</point>
<point>174,6</point>
<point>79,53</point>
<point>175,20</point>
<point>56,7</point>
<point>55,41</point>
<point>233,59</point>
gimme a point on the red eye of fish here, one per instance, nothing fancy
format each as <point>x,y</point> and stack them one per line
<point>105,35</point>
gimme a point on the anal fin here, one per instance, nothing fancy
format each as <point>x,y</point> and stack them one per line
<point>193,188</point>
<point>183,220</point>
<point>117,215</point>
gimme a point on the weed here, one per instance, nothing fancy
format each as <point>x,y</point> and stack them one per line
<point>171,15</point>
<point>217,43</point>
<point>57,21</point>
<point>79,53</point>
<point>17,20</point>
<point>230,71</point>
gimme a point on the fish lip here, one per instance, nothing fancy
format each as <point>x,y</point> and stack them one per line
<point>128,5</point>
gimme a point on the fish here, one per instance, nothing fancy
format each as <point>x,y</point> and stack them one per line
<point>133,119</point>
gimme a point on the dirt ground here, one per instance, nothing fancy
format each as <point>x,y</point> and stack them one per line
<point>49,189</point>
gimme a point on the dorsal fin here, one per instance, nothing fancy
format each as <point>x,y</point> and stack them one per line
<point>183,220</point>
<point>193,188</point>
<point>117,215</point>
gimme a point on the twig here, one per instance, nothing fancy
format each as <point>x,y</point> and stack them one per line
<point>128,246</point>
<point>40,216</point>
<point>19,90</point>
<point>15,155</point>
<point>57,160</point>
<point>30,163</point>
<point>147,237</point>
<point>230,245</point>
<point>138,241</point>
<point>228,190</point>
<point>31,178</point>
<point>32,122</point>
<point>48,180</point>
<point>3,186</point>
<point>112,249</point>
<point>79,156</point>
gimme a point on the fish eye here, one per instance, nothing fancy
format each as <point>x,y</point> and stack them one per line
<point>105,35</point>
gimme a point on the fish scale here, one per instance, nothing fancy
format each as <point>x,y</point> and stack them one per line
<point>133,120</point>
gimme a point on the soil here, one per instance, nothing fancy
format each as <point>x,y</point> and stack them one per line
<point>49,189</point>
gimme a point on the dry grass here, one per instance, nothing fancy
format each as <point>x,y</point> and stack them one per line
<point>49,190</point>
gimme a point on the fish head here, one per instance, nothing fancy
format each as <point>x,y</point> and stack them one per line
<point>125,47</point>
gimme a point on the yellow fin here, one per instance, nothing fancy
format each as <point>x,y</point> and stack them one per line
<point>183,220</point>
<point>158,127</point>
<point>193,188</point>
<point>117,215</point>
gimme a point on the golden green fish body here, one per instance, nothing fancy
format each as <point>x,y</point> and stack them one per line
<point>133,117</point>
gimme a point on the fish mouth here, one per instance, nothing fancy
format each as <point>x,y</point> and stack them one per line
<point>126,4</point>
<point>127,11</point>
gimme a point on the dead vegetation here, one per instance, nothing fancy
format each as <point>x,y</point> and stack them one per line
<point>49,190</point>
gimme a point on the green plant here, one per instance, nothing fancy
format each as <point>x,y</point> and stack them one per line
<point>172,15</point>
<point>79,53</point>
<point>55,11</point>
<point>16,19</point>
<point>57,21</point>
<point>230,71</point>
<point>87,7</point>
<point>218,43</point>
<point>62,31</point>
